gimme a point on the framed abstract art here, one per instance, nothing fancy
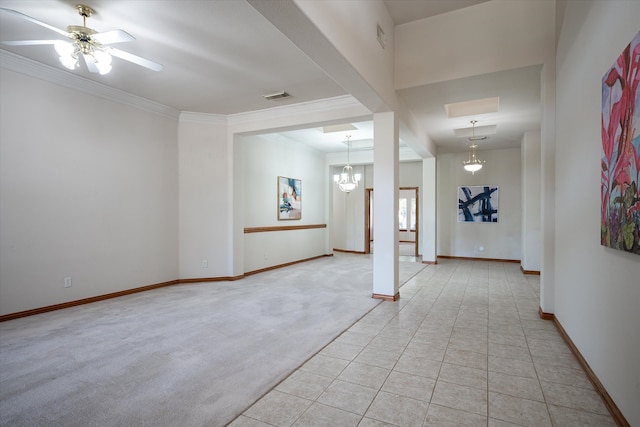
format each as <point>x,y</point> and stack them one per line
<point>478,204</point>
<point>289,198</point>
<point>620,159</point>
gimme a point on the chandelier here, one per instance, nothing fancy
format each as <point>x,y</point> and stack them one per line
<point>473,164</point>
<point>347,181</point>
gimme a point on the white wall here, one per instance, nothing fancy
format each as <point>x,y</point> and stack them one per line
<point>204,248</point>
<point>88,189</point>
<point>410,174</point>
<point>499,240</point>
<point>597,289</point>
<point>262,159</point>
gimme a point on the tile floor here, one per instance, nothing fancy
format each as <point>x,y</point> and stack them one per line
<point>464,346</point>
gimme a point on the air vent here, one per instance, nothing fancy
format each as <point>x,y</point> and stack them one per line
<point>380,35</point>
<point>277,95</point>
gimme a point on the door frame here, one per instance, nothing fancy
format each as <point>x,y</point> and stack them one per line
<point>367,219</point>
<point>368,192</point>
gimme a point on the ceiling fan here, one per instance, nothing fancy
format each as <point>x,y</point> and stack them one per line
<point>85,42</point>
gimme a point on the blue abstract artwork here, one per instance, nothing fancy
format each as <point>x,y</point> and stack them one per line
<point>478,204</point>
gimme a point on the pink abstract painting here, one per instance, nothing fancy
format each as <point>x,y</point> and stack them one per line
<point>620,163</point>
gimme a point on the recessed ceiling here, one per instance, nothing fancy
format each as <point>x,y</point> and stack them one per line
<point>470,131</point>
<point>361,134</point>
<point>472,107</point>
<point>345,127</point>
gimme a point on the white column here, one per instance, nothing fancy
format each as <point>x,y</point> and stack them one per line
<point>548,192</point>
<point>530,161</point>
<point>385,206</point>
<point>428,211</point>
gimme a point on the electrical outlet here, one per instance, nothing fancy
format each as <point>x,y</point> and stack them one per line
<point>67,282</point>
<point>204,263</point>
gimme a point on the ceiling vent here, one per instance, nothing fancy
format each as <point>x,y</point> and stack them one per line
<point>275,96</point>
<point>381,37</point>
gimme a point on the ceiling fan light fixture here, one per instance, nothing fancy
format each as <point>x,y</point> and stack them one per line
<point>69,62</point>
<point>63,48</point>
<point>67,52</point>
<point>103,66</point>
<point>102,57</point>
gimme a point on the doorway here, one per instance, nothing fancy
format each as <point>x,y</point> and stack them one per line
<point>408,220</point>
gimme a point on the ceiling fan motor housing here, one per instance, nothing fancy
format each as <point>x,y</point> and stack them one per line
<point>82,36</point>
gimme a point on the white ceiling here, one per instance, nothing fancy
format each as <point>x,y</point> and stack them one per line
<point>221,56</point>
<point>403,11</point>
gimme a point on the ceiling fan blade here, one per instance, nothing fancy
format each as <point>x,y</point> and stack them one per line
<point>115,36</point>
<point>91,63</point>
<point>135,59</point>
<point>98,62</point>
<point>35,21</point>
<point>29,42</point>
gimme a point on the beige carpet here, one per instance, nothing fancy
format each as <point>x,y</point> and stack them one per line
<point>186,355</point>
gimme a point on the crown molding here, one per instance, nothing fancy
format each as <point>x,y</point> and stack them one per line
<point>22,65</point>
<point>345,102</point>
<point>191,116</point>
